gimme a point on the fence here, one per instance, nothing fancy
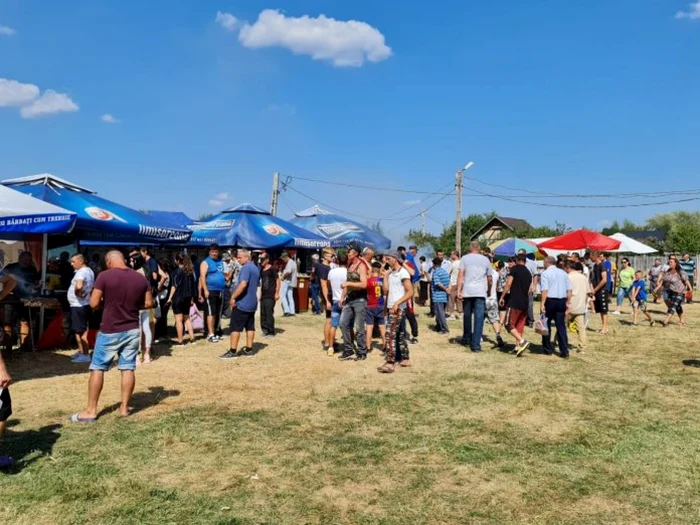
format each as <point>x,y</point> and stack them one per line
<point>645,262</point>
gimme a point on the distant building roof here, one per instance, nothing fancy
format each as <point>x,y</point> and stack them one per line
<point>508,223</point>
<point>659,235</point>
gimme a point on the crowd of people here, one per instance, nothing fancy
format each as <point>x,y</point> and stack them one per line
<point>365,294</point>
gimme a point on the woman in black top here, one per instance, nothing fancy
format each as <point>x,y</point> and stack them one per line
<point>182,294</point>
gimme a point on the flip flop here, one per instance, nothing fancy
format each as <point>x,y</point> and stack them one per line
<point>75,418</point>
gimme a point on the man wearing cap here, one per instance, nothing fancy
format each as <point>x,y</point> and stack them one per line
<point>355,303</point>
<point>289,282</point>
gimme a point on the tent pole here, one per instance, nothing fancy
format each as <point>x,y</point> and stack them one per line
<point>44,264</point>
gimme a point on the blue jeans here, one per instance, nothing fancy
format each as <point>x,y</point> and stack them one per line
<point>621,293</point>
<point>122,344</point>
<point>353,314</point>
<point>287,296</point>
<point>477,306</point>
<point>440,317</point>
<point>315,295</point>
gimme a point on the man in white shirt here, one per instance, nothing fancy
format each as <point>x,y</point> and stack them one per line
<point>79,301</point>
<point>473,281</point>
<point>556,301</point>
<point>454,306</point>
<point>336,277</point>
<point>289,282</point>
<point>398,288</point>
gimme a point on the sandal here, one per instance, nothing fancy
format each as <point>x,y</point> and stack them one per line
<point>601,332</point>
<point>405,364</point>
<point>75,418</point>
<point>386,368</point>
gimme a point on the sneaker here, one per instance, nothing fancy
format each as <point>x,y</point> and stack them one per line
<point>180,345</point>
<point>330,351</point>
<point>346,357</point>
<point>231,354</point>
<point>245,352</point>
<point>325,348</point>
<point>413,340</point>
<point>76,355</point>
<point>616,312</point>
<point>82,358</point>
<point>212,339</point>
<point>499,341</point>
<point>521,348</point>
<point>361,357</point>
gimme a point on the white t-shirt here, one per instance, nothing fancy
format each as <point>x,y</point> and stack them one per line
<point>494,285</point>
<point>425,271</point>
<point>337,276</point>
<point>476,268</point>
<point>396,288</point>
<point>88,278</point>
<point>291,269</point>
<point>454,273</point>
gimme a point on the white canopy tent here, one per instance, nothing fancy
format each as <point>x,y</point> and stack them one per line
<point>630,245</point>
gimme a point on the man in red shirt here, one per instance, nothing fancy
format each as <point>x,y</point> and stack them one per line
<point>374,313</point>
<point>121,292</point>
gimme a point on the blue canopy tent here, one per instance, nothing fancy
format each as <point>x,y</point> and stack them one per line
<point>175,218</point>
<point>99,221</point>
<point>338,230</point>
<point>252,227</point>
<point>23,214</point>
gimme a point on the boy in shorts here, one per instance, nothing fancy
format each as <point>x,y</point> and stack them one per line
<point>374,313</point>
<point>638,294</point>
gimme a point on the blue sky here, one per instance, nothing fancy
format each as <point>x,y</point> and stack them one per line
<point>559,97</point>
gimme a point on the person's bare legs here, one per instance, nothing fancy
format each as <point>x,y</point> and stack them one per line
<point>635,314</point>
<point>517,335</point>
<point>179,328</point>
<point>382,333</point>
<point>188,325</point>
<point>210,325</point>
<point>250,338</point>
<point>83,345</point>
<point>327,332</point>
<point>604,320</point>
<point>128,383</point>
<point>95,382</point>
<point>235,337</point>
<point>368,335</point>
<point>23,332</point>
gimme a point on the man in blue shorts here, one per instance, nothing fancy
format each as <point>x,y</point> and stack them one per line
<point>336,278</point>
<point>121,292</point>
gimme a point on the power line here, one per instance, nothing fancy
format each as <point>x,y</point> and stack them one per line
<point>549,205</point>
<point>359,186</point>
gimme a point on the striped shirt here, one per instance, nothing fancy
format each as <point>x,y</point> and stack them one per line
<point>440,276</point>
<point>687,266</point>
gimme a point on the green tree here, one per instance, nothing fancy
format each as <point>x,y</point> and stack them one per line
<point>446,241</point>
<point>682,229</point>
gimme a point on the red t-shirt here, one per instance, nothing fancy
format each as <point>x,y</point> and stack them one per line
<point>375,292</point>
<point>123,292</point>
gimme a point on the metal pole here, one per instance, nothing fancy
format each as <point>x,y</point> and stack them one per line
<point>458,224</point>
<point>275,193</point>
<point>422,229</point>
<point>44,264</point>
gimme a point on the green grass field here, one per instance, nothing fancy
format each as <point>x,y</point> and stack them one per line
<point>294,436</point>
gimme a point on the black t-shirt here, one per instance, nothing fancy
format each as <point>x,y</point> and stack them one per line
<point>184,285</point>
<point>322,272</point>
<point>27,280</point>
<point>519,298</point>
<point>597,274</point>
<point>268,283</point>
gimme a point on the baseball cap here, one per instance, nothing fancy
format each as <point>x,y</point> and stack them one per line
<point>395,255</point>
<point>354,246</point>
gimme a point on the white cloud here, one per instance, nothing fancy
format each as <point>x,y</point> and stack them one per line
<point>693,12</point>
<point>219,199</point>
<point>215,203</point>
<point>30,101</point>
<point>48,104</point>
<point>109,119</point>
<point>226,20</point>
<point>343,43</point>
<point>7,31</point>
<point>282,109</point>
<point>16,94</point>
<point>221,196</point>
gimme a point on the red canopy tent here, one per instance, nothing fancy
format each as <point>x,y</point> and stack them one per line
<point>581,240</point>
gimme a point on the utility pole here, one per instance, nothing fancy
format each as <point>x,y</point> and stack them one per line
<point>275,193</point>
<point>458,191</point>
<point>422,216</point>
<point>458,224</point>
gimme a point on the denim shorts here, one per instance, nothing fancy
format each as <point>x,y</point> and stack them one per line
<point>336,310</point>
<point>122,344</point>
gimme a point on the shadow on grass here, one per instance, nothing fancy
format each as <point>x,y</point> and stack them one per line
<point>28,446</point>
<point>40,365</point>
<point>143,400</point>
<point>695,363</point>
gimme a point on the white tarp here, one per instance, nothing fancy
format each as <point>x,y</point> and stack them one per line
<point>629,245</point>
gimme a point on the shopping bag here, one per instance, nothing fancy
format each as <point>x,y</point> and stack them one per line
<point>541,325</point>
<point>196,318</point>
